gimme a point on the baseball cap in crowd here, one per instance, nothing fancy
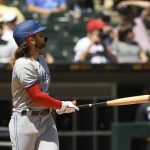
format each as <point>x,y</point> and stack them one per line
<point>95,24</point>
<point>9,16</point>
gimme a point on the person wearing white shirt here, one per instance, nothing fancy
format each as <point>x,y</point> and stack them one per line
<point>6,50</point>
<point>89,49</point>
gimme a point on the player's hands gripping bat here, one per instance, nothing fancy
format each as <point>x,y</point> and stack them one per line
<point>67,107</point>
<point>120,101</point>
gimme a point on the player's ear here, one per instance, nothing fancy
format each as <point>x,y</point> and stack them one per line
<point>30,40</point>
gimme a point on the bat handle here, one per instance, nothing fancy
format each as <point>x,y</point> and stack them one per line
<point>92,105</point>
<point>85,106</point>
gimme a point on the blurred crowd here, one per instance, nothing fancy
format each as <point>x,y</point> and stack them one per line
<point>125,41</point>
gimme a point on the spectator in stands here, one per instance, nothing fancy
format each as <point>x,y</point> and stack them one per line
<point>143,115</point>
<point>126,50</point>
<point>86,5</point>
<point>126,17</point>
<point>4,8</point>
<point>107,31</point>
<point>143,112</point>
<point>6,48</point>
<point>74,9</point>
<point>9,22</point>
<point>89,49</point>
<point>105,16</point>
<point>80,8</point>
<point>107,3</point>
<point>139,28</point>
<point>46,7</point>
<point>107,39</point>
<point>49,58</point>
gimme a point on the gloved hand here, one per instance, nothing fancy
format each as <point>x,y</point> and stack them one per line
<point>67,107</point>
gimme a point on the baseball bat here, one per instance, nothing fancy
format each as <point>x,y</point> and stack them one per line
<point>120,101</point>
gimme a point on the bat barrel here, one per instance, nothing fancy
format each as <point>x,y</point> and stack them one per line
<point>120,101</point>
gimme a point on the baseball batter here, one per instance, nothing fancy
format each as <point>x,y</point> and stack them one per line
<point>32,126</point>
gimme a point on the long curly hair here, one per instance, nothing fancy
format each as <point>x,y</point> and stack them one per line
<point>22,51</point>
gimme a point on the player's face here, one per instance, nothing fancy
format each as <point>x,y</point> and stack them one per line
<point>41,40</point>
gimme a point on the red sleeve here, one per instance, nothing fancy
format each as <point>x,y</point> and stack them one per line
<point>41,98</point>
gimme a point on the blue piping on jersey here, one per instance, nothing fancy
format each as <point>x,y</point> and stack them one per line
<point>32,83</point>
<point>15,132</point>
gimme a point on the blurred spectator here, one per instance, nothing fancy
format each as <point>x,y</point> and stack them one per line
<point>74,9</point>
<point>46,7</point>
<point>49,58</point>
<point>107,31</point>
<point>105,16</point>
<point>6,48</point>
<point>107,3</point>
<point>89,49</point>
<point>139,28</point>
<point>107,39</point>
<point>143,112</point>
<point>143,115</point>
<point>86,5</point>
<point>5,9</point>
<point>79,8</point>
<point>126,50</point>
<point>107,36</point>
<point>126,17</point>
<point>9,22</point>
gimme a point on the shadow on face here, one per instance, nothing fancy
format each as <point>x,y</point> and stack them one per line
<point>40,39</point>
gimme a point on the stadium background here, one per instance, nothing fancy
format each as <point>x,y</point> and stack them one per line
<point>90,129</point>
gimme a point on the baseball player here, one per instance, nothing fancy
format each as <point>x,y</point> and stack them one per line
<point>32,126</point>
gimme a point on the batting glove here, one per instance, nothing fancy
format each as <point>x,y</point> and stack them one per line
<point>67,107</point>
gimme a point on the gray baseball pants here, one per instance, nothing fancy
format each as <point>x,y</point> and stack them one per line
<point>33,132</point>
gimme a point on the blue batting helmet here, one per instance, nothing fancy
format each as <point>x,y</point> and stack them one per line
<point>25,29</point>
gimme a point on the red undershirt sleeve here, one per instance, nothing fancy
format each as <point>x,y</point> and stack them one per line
<point>41,98</point>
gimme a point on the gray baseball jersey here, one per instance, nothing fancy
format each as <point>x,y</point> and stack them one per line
<point>26,72</point>
<point>31,132</point>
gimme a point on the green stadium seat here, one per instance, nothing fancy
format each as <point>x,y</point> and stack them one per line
<point>64,52</point>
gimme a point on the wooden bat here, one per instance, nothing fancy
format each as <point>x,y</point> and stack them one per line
<point>120,101</point>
